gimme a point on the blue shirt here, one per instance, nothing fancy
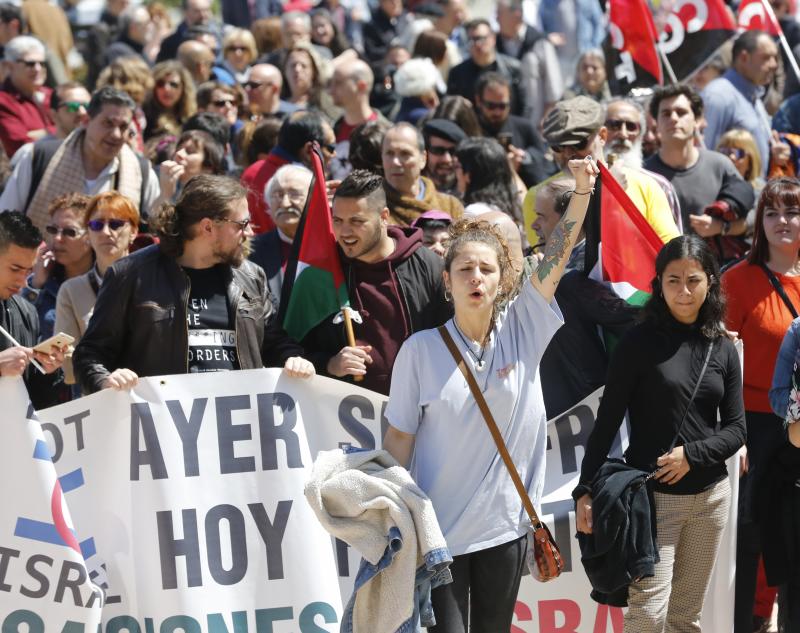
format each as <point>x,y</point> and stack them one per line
<point>784,371</point>
<point>731,101</point>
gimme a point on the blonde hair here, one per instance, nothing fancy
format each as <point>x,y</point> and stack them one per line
<point>742,139</point>
<point>129,74</point>
<point>245,37</point>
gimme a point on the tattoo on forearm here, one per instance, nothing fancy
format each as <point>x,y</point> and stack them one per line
<point>556,248</point>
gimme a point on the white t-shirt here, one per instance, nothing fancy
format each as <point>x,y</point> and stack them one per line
<point>455,459</point>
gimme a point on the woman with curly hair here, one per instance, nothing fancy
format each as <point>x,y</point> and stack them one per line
<point>432,413</point>
<point>172,100</point>
<point>652,374</point>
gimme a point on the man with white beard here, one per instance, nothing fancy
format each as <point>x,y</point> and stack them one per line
<point>285,194</point>
<point>626,123</point>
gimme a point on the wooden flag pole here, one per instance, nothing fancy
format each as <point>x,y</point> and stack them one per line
<point>351,337</point>
<point>667,66</point>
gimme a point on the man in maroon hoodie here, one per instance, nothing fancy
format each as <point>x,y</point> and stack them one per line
<point>395,285</point>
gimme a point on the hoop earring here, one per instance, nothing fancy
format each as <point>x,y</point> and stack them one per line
<point>447,296</point>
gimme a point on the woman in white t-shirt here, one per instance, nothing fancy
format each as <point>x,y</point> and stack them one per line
<point>433,415</point>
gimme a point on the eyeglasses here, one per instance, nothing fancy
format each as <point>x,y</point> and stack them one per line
<point>74,107</point>
<point>99,225</point>
<point>68,232</point>
<point>496,105</point>
<point>31,63</point>
<point>441,151</point>
<point>577,146</point>
<point>172,84</point>
<point>223,103</point>
<point>734,152</point>
<point>477,39</point>
<point>617,124</point>
<point>242,224</point>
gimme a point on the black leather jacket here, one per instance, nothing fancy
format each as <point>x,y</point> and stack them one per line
<point>140,321</point>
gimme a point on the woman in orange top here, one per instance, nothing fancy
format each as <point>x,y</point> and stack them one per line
<point>761,316</point>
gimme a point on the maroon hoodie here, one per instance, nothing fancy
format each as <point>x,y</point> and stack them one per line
<point>379,299</point>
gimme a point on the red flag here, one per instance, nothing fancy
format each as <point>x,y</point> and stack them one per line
<point>631,55</point>
<point>629,244</point>
<point>694,32</point>
<point>756,15</point>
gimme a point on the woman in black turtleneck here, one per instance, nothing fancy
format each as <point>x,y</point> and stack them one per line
<point>652,375</point>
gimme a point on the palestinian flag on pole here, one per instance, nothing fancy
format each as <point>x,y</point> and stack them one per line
<point>621,247</point>
<point>313,286</point>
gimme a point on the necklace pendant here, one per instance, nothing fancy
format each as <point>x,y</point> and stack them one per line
<point>480,365</point>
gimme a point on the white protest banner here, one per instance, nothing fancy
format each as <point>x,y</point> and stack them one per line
<point>183,484</point>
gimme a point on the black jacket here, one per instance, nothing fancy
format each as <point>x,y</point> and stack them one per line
<point>18,316</point>
<point>379,33</point>
<point>139,321</point>
<point>528,40</point>
<point>622,546</point>
<point>266,252</point>
<point>464,76</point>
<point>421,288</point>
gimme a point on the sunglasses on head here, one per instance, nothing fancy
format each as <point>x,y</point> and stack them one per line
<point>617,124</point>
<point>99,225</point>
<point>74,106</point>
<point>734,152</point>
<point>70,232</point>
<point>576,146</point>
<point>172,84</point>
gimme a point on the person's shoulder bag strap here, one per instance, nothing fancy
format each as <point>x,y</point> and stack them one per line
<point>487,415</point>
<point>691,399</point>
<point>779,289</point>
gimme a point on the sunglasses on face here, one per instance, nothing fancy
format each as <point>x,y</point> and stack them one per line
<point>577,146</point>
<point>68,231</point>
<point>441,151</point>
<point>253,85</point>
<point>74,107</point>
<point>224,103</point>
<point>734,152</point>
<point>496,105</point>
<point>172,84</point>
<point>477,39</point>
<point>31,64</point>
<point>617,124</point>
<point>242,224</point>
<point>237,49</point>
<point>99,225</point>
<point>330,147</point>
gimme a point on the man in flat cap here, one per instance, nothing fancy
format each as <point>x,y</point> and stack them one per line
<point>441,137</point>
<point>575,128</point>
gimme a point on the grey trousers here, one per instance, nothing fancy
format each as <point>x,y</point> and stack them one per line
<point>689,533</point>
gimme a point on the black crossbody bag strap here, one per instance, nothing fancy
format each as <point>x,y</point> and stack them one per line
<point>779,289</point>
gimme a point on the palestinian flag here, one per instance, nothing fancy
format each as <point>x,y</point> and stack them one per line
<point>694,31</point>
<point>313,286</point>
<point>621,247</point>
<point>757,15</point>
<point>631,54</point>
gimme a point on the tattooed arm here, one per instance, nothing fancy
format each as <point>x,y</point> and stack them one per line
<point>560,243</point>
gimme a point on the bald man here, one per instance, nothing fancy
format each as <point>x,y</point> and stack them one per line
<point>198,59</point>
<point>264,92</point>
<point>350,87</point>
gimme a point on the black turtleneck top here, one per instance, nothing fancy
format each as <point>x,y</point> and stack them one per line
<point>652,374</point>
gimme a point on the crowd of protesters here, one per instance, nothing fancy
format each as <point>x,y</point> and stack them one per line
<point>156,163</point>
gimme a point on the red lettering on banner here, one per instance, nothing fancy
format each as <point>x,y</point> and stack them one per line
<point>523,613</point>
<point>547,616</point>
<point>601,620</point>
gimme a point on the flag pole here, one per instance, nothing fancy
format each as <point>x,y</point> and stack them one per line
<point>782,38</point>
<point>667,66</point>
<point>351,337</point>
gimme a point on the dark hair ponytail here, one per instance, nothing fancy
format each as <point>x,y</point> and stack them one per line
<point>712,312</point>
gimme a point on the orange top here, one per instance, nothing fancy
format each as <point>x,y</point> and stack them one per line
<point>757,312</point>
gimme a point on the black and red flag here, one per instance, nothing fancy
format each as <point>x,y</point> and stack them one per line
<point>631,54</point>
<point>694,31</point>
<point>757,15</point>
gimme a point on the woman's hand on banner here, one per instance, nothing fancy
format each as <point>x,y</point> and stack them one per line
<point>298,367</point>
